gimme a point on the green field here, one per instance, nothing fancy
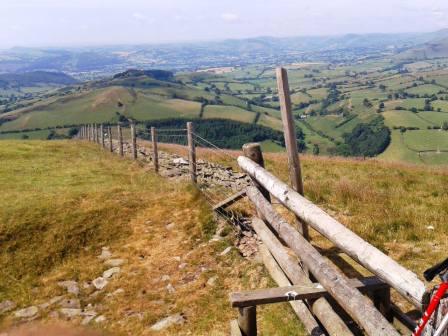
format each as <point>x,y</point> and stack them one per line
<point>228,112</point>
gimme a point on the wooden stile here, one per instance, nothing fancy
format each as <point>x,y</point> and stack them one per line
<point>398,277</point>
<point>120,140</point>
<point>354,303</point>
<point>155,153</point>
<point>298,293</point>
<point>299,307</point>
<point>289,130</point>
<point>191,152</point>
<point>290,266</point>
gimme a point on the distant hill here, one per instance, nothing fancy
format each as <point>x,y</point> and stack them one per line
<point>437,48</point>
<point>34,78</point>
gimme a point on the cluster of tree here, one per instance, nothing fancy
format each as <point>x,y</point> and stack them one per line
<point>365,139</point>
<point>162,75</point>
<point>224,133</point>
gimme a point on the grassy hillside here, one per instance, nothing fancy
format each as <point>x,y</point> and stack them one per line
<point>63,202</point>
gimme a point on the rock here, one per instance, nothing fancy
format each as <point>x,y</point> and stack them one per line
<point>105,254</point>
<point>168,321</point>
<point>86,320</point>
<point>6,306</point>
<point>212,281</point>
<point>111,272</point>
<point>101,319</point>
<point>70,304</point>
<point>27,313</point>
<point>430,227</point>
<point>183,265</point>
<point>165,278</point>
<point>226,251</point>
<point>170,288</point>
<point>52,301</point>
<point>118,291</point>
<point>115,262</point>
<point>71,286</point>
<point>70,312</point>
<point>170,226</point>
<point>100,283</point>
<point>177,258</point>
<point>180,161</point>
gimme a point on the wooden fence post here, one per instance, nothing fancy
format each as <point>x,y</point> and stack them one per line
<point>97,128</point>
<point>253,152</point>
<point>109,134</point>
<point>133,141</point>
<point>289,129</point>
<point>247,320</point>
<point>191,152</point>
<point>102,135</point>
<point>120,140</point>
<point>91,132</point>
<point>155,153</point>
<point>95,131</point>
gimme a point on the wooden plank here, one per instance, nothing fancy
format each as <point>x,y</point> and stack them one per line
<point>302,292</point>
<point>404,281</point>
<point>235,328</point>
<point>289,263</point>
<point>300,308</point>
<point>403,318</point>
<point>230,200</point>
<point>289,131</point>
<point>350,299</point>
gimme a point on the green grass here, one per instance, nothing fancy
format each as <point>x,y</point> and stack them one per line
<point>429,89</point>
<point>32,135</point>
<point>404,119</point>
<point>228,112</point>
<point>425,140</point>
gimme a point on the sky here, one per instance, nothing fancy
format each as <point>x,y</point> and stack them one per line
<point>31,23</point>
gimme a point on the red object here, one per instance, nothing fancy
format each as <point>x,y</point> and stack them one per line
<point>443,288</point>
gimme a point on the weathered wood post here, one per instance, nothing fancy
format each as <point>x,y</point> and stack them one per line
<point>109,134</point>
<point>133,141</point>
<point>289,129</point>
<point>102,135</point>
<point>191,152</point>
<point>247,320</point>
<point>120,140</point>
<point>155,153</point>
<point>97,129</point>
<point>381,299</point>
<point>91,132</point>
<point>253,152</point>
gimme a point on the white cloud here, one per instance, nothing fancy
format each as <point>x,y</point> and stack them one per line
<point>230,17</point>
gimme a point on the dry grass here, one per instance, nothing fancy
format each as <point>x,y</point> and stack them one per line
<point>63,201</point>
<point>399,208</point>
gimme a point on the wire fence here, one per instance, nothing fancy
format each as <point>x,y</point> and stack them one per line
<point>209,180</point>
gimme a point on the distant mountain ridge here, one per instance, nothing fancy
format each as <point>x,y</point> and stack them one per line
<point>231,52</point>
<point>29,79</point>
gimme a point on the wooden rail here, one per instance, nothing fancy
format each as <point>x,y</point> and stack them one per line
<point>398,277</point>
